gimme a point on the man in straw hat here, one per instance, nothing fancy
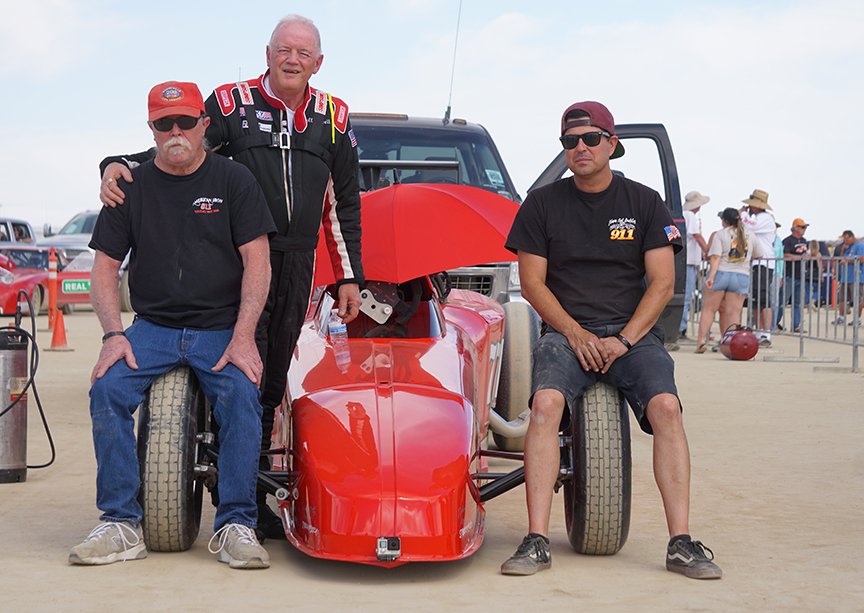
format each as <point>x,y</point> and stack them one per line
<point>696,250</point>
<point>760,222</point>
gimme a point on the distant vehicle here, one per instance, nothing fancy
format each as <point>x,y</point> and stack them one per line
<point>25,267</point>
<point>16,231</point>
<point>397,148</point>
<point>73,242</point>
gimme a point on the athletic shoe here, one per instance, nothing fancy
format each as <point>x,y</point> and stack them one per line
<point>765,342</point>
<point>532,555</point>
<point>238,547</point>
<point>109,542</point>
<point>686,556</point>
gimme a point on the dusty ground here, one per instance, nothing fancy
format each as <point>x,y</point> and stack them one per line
<point>778,463</point>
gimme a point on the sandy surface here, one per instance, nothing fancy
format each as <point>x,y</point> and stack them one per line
<point>777,490</point>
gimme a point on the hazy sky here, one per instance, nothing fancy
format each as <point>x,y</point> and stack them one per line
<point>763,95</point>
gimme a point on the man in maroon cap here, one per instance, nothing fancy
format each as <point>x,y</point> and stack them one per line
<point>586,246</point>
<point>197,226</point>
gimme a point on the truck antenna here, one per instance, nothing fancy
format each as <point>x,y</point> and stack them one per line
<point>453,69</point>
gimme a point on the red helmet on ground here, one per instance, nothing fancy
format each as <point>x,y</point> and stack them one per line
<point>739,343</point>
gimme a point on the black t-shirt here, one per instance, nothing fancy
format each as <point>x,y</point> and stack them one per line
<point>594,244</point>
<point>183,231</point>
<point>796,246</point>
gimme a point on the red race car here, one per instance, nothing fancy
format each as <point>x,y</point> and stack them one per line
<point>25,267</point>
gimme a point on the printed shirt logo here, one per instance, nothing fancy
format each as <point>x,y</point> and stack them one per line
<point>206,206</point>
<point>672,233</point>
<point>622,228</point>
<point>264,115</point>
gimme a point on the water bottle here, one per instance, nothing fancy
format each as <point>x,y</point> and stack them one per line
<point>339,341</point>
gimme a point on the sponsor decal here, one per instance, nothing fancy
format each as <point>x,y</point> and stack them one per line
<point>264,115</point>
<point>320,102</point>
<point>172,94</point>
<point>242,111</point>
<point>672,233</point>
<point>206,206</point>
<point>265,127</point>
<point>244,124</point>
<point>622,228</point>
<point>225,97</point>
<point>245,92</point>
<point>352,137</point>
<point>343,111</point>
<point>75,286</point>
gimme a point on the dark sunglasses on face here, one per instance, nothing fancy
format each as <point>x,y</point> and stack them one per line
<point>184,122</point>
<point>591,139</point>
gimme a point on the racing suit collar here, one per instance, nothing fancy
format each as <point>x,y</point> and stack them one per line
<point>271,98</point>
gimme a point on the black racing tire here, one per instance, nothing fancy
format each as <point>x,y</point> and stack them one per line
<point>521,331</point>
<point>172,415</point>
<point>125,298</point>
<point>597,495</point>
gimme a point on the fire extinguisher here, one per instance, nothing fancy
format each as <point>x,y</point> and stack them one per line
<point>13,423</point>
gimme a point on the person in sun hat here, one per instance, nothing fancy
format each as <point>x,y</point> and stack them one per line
<point>796,249</point>
<point>596,260</point>
<point>196,227</point>
<point>697,248</point>
<point>758,217</point>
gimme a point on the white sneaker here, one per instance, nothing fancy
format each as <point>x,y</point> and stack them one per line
<point>239,547</point>
<point>840,321</point>
<point>110,542</point>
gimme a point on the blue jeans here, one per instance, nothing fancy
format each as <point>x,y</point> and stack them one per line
<point>689,288</point>
<point>234,398</point>
<point>791,292</point>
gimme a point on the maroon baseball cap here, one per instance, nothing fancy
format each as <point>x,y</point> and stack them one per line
<point>598,115</point>
<point>175,98</point>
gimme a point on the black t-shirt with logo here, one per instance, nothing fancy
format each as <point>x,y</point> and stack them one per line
<point>183,231</point>
<point>594,244</point>
<point>796,246</point>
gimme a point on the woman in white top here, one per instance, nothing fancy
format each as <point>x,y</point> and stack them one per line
<point>728,281</point>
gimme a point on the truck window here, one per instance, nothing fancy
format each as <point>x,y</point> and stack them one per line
<point>642,163</point>
<point>22,233</point>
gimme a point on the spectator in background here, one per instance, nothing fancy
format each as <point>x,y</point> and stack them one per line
<point>850,248</point>
<point>728,282</point>
<point>696,250</point>
<point>795,251</point>
<point>757,219</point>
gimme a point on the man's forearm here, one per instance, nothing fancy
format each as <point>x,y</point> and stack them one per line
<point>105,292</point>
<point>255,285</point>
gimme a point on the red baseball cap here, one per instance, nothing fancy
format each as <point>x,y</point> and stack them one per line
<point>598,115</point>
<point>175,98</point>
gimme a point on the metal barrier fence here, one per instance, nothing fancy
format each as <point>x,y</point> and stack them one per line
<point>819,298</point>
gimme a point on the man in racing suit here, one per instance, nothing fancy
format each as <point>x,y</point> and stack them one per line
<point>298,143</point>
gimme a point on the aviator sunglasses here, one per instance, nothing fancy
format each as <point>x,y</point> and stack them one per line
<point>591,139</point>
<point>184,122</point>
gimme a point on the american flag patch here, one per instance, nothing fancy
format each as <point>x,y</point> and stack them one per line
<point>352,137</point>
<point>672,232</point>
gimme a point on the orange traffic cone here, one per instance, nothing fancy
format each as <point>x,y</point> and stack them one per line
<point>58,340</point>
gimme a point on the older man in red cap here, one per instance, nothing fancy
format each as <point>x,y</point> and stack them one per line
<point>586,246</point>
<point>197,226</point>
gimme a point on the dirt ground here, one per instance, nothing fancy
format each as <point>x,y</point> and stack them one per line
<point>778,493</point>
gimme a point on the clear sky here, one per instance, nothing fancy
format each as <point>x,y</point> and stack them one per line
<point>754,94</point>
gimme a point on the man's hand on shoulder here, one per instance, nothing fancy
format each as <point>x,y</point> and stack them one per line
<point>113,350</point>
<point>109,192</point>
<point>243,353</point>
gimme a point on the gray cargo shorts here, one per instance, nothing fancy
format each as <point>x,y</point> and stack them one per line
<point>641,373</point>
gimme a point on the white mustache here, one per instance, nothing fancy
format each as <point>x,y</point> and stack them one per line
<point>178,141</point>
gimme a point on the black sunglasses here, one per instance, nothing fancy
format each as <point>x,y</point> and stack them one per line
<point>591,139</point>
<point>184,122</point>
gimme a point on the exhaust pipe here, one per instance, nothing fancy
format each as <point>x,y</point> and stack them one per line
<point>509,429</point>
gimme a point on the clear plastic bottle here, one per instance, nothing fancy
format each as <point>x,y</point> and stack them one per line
<point>339,340</point>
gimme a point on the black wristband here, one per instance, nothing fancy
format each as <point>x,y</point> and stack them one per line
<point>624,342</point>
<point>108,335</point>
